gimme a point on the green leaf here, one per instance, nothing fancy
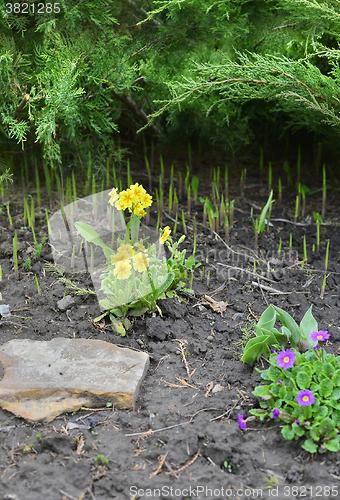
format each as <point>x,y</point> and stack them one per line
<point>268,318</point>
<point>327,426</point>
<point>117,326</point>
<point>254,348</point>
<point>261,391</point>
<point>289,323</point>
<point>326,388</point>
<point>303,379</point>
<point>333,445</point>
<point>189,262</point>
<point>327,369</point>
<point>274,373</point>
<point>335,393</point>
<point>288,432</point>
<point>138,311</point>
<point>264,212</point>
<point>310,446</point>
<point>336,378</point>
<point>262,414</point>
<point>91,235</point>
<point>194,184</point>
<point>307,326</point>
<point>321,412</point>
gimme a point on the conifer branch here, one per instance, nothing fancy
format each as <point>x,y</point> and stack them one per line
<point>141,11</point>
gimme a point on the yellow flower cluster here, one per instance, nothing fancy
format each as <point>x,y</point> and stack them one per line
<point>135,198</point>
<point>165,235</point>
<point>127,254</point>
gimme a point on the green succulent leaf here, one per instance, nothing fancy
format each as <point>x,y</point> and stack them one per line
<point>254,348</point>
<point>307,326</point>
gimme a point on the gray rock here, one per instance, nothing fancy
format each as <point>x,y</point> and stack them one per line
<point>44,379</point>
<point>65,302</point>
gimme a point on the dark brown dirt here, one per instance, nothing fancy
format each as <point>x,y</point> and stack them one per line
<point>183,435</point>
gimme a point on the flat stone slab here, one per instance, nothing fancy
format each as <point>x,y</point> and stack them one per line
<point>44,379</point>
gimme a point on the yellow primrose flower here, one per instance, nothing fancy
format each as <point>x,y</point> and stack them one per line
<point>119,205</point>
<point>165,235</point>
<point>126,198</point>
<point>125,247</point>
<point>146,200</point>
<point>120,256</point>
<point>113,196</point>
<point>137,190</point>
<point>139,210</point>
<point>140,262</point>
<point>122,269</point>
<point>140,247</point>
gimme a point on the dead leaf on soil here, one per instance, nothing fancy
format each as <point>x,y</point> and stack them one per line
<point>182,381</point>
<point>216,306</point>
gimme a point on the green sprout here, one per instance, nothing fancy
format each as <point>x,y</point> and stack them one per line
<point>27,264</point>
<point>194,186</point>
<point>327,253</point>
<point>260,224</point>
<point>15,255</point>
<point>323,288</point>
<point>101,461</point>
<point>38,286</point>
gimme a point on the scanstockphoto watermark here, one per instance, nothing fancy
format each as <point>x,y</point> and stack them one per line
<point>198,491</point>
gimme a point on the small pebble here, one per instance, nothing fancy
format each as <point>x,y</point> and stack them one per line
<point>210,337</point>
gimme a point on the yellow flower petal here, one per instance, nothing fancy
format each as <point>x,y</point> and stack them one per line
<point>113,196</point>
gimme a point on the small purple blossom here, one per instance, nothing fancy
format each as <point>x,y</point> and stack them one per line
<point>317,346</point>
<point>279,381</point>
<point>276,413</point>
<point>241,422</point>
<point>323,447</point>
<point>321,335</point>
<point>297,422</point>
<point>305,398</point>
<point>263,398</point>
<point>272,350</point>
<point>285,359</point>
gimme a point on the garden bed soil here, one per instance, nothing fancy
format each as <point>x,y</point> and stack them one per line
<point>184,433</point>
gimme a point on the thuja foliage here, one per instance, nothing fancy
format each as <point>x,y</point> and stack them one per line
<point>290,59</point>
<point>196,67</point>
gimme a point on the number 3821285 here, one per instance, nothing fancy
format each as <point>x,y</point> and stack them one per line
<point>28,8</point>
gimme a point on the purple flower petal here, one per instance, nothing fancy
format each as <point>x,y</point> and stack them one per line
<point>241,422</point>
<point>276,413</point>
<point>305,398</point>
<point>320,336</point>
<point>285,359</point>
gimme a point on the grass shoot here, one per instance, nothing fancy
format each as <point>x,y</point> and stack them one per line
<point>327,254</point>
<point>15,255</point>
<point>38,286</point>
<point>322,293</point>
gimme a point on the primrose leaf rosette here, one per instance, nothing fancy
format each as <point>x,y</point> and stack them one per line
<point>126,260</point>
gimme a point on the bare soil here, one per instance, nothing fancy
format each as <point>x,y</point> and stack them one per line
<point>184,433</point>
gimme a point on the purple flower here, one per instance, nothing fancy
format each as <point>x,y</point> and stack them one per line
<point>321,335</point>
<point>263,398</point>
<point>276,413</point>
<point>279,381</point>
<point>305,398</point>
<point>297,422</point>
<point>317,346</point>
<point>272,350</point>
<point>323,448</point>
<point>241,422</point>
<point>285,359</point>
